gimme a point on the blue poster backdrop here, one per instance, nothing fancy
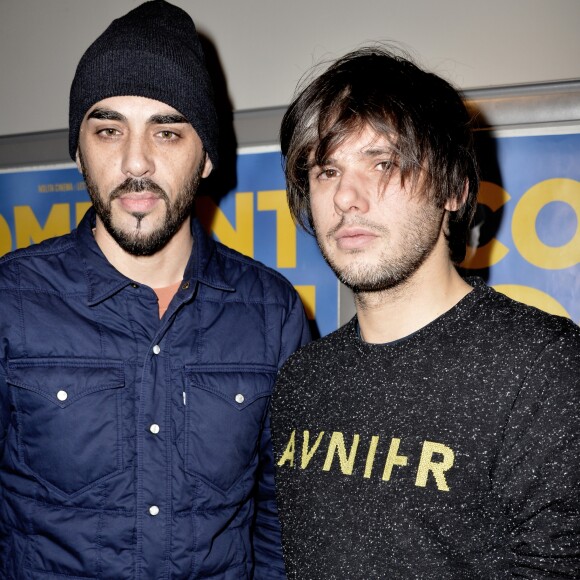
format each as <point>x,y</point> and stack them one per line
<point>526,237</point>
<point>525,242</point>
<point>39,204</point>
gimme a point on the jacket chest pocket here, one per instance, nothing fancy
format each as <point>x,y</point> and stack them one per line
<point>224,416</point>
<point>68,419</point>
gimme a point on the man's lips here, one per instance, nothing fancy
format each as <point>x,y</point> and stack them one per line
<point>353,238</point>
<point>142,202</point>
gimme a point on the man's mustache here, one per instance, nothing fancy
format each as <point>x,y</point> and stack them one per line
<point>357,222</point>
<point>132,185</point>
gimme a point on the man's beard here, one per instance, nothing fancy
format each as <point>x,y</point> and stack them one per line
<point>395,265</point>
<point>136,242</point>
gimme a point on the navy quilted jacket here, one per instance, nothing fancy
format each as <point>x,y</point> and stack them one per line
<point>133,447</point>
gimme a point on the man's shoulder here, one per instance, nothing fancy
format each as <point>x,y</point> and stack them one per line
<point>326,350</point>
<point>241,270</point>
<point>37,257</point>
<point>515,319</point>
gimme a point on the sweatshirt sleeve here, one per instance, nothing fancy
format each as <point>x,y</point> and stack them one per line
<point>538,472</point>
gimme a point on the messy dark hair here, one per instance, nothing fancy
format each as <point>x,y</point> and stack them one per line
<point>422,116</point>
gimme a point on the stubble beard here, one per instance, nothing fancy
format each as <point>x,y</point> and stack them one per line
<point>135,241</point>
<point>394,266</point>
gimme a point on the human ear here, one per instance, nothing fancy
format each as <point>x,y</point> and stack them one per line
<point>456,204</point>
<point>208,166</point>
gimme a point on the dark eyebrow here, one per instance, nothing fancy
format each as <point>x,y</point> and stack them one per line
<point>103,114</point>
<point>106,115</point>
<point>377,151</point>
<point>167,119</point>
<point>371,152</point>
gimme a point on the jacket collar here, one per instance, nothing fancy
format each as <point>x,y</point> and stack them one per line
<point>103,280</point>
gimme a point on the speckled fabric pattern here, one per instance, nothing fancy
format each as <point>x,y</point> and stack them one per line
<point>453,453</point>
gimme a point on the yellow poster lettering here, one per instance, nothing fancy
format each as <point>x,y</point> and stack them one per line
<point>28,230</point>
<point>393,458</point>
<point>5,236</point>
<point>81,208</point>
<point>494,197</point>
<point>307,295</point>
<point>337,446</point>
<point>240,238</point>
<point>308,453</point>
<point>53,187</point>
<point>371,456</point>
<point>524,231</point>
<point>275,200</point>
<point>288,455</point>
<point>437,468</point>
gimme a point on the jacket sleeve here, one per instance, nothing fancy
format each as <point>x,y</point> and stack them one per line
<point>269,564</point>
<point>538,473</point>
<point>4,409</point>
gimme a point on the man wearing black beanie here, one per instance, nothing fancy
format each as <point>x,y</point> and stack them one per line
<point>137,355</point>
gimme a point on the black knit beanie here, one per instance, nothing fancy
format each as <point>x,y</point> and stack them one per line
<point>153,51</point>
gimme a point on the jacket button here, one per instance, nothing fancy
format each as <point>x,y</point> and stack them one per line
<point>239,398</point>
<point>154,429</point>
<point>185,286</point>
<point>62,395</point>
<point>156,349</point>
<point>154,510</point>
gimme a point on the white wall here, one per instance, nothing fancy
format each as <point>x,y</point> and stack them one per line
<point>266,45</point>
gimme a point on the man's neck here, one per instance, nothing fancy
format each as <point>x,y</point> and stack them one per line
<point>398,312</point>
<point>160,270</point>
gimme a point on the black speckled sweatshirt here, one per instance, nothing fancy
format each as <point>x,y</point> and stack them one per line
<point>452,453</point>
